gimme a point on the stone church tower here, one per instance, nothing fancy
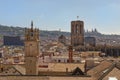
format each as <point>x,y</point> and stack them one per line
<point>77,33</point>
<point>31,50</point>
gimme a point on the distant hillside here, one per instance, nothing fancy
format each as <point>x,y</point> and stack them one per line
<point>18,31</point>
<point>101,38</point>
<point>10,30</point>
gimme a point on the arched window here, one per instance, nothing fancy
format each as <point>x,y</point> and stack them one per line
<point>80,29</point>
<point>77,29</point>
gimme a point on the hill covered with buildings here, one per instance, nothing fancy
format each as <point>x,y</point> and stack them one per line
<point>44,34</point>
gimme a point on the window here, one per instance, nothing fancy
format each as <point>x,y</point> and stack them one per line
<point>30,44</point>
<point>80,30</point>
<point>58,60</point>
<point>30,71</point>
<point>77,29</point>
<point>66,69</point>
<point>67,60</point>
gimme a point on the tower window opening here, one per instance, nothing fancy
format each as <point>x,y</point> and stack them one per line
<point>80,29</point>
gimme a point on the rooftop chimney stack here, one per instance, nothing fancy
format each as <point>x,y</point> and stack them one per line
<point>70,54</point>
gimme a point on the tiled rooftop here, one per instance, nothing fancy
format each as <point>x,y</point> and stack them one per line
<point>10,71</point>
<point>100,69</point>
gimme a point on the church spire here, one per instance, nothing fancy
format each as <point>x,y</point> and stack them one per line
<point>31,24</point>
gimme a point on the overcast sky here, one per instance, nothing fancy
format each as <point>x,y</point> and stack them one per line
<point>57,14</point>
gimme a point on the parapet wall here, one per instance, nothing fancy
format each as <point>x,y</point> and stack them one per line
<point>43,78</point>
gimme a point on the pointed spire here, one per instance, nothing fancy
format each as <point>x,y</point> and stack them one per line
<point>31,24</point>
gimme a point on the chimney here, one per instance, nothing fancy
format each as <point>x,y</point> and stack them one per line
<point>70,54</point>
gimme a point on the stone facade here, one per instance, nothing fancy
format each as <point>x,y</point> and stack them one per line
<point>31,50</point>
<point>77,33</point>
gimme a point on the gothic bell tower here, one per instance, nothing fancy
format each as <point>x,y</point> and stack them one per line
<point>77,33</point>
<point>31,50</point>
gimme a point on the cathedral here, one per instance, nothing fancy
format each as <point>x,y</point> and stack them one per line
<point>31,50</point>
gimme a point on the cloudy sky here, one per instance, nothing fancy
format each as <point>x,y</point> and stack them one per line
<point>57,14</point>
